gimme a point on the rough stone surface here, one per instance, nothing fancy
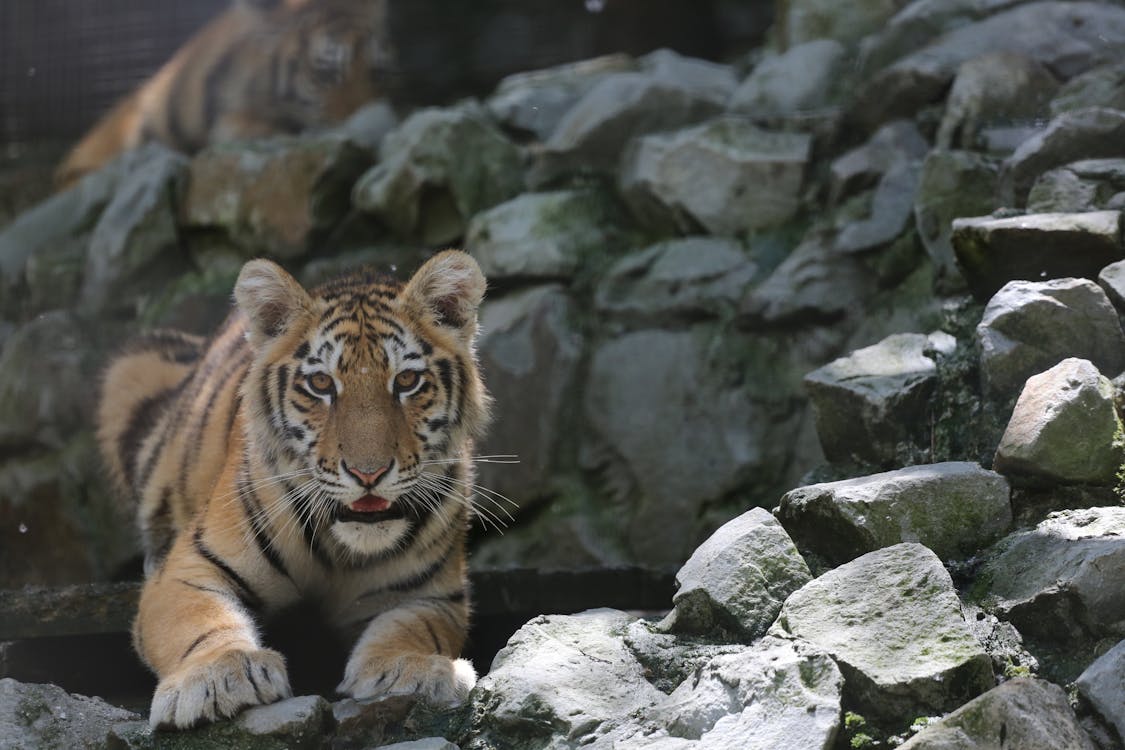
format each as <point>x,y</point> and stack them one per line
<point>726,176</point>
<point>890,212</point>
<point>277,196</point>
<point>1087,185</point>
<point>893,145</point>
<point>1103,86</point>
<point>301,718</point>
<point>892,621</point>
<point>1025,713</point>
<point>423,186</point>
<point>529,351</point>
<point>805,20</point>
<point>428,743</point>
<point>869,402</point>
<point>1112,281</point>
<point>1064,428</point>
<point>803,81</point>
<point>952,184</point>
<point>1090,133</point>
<point>993,251</point>
<point>1059,581</point>
<point>541,235</point>
<point>1028,327</point>
<point>38,717</point>
<point>1102,688</point>
<point>738,578</point>
<point>686,277</point>
<point>955,509</point>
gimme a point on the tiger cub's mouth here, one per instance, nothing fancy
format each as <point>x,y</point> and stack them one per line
<point>369,509</point>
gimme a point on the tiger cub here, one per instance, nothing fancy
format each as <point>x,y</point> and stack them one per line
<point>260,68</point>
<point>314,449</point>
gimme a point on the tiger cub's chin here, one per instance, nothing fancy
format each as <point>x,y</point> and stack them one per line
<point>314,448</point>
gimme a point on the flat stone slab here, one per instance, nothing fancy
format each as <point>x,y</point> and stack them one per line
<point>954,508</point>
<point>991,252</point>
<point>46,716</point>
<point>1102,687</point>
<point>892,621</point>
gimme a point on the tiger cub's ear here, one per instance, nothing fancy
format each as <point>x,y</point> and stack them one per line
<point>271,299</point>
<point>448,289</point>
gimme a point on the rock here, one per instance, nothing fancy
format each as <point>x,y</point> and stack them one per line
<point>425,188</point>
<point>593,133</point>
<point>45,716</point>
<point>1103,86</point>
<point>533,103</point>
<point>1101,687</point>
<point>688,277</point>
<point>278,196</point>
<point>801,82</point>
<point>1058,582</point>
<point>428,743</point>
<point>738,578</point>
<point>804,20</point>
<point>1090,133</point>
<point>1025,713</point>
<point>1087,185</point>
<point>890,212</point>
<point>868,403</point>
<point>368,125</point>
<point>1067,38</point>
<point>712,80</point>
<point>134,247</point>
<point>1064,429</point>
<point>992,252</point>
<point>1028,327</point>
<point>892,145</point>
<point>951,184</point>
<point>302,720</point>
<point>1112,281</point>
<point>997,87</point>
<point>892,621</point>
<point>529,351</point>
<point>955,509</point>
<point>726,176</point>
<point>542,235</point>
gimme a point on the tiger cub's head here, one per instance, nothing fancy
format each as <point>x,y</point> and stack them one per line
<point>366,390</point>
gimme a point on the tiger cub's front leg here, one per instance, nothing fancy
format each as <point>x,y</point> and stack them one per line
<point>194,629</point>
<point>413,650</point>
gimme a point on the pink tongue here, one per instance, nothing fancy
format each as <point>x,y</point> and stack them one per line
<point>370,504</point>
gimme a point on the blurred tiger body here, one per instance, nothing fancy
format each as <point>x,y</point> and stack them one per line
<point>315,449</point>
<point>258,69</point>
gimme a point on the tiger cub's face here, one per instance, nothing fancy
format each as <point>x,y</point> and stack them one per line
<point>364,390</point>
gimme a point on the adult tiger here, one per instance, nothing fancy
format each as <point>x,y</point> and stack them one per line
<point>316,449</point>
<point>260,68</point>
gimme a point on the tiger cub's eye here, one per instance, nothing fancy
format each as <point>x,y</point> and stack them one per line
<point>322,383</point>
<point>406,380</point>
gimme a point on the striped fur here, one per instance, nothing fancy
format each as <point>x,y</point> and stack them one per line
<point>315,448</point>
<point>260,68</point>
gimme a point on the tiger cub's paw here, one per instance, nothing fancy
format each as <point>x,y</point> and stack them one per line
<point>438,679</point>
<point>218,687</point>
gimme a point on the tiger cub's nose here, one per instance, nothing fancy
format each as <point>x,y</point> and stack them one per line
<point>367,478</point>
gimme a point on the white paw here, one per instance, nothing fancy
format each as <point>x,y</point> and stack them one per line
<point>438,679</point>
<point>219,688</point>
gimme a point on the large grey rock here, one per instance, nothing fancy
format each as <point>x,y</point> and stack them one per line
<point>437,170</point>
<point>804,20</point>
<point>738,578</point>
<point>1112,281</point>
<point>1091,133</point>
<point>992,252</point>
<point>893,145</point>
<point>870,402</point>
<point>428,743</point>
<point>529,351</point>
<point>369,125</point>
<point>1028,327</point>
<point>892,621</point>
<point>890,212</point>
<point>727,176</point>
<point>688,277</point>
<point>1103,86</point>
<point>955,509</point>
<point>534,102</point>
<point>997,87</point>
<point>301,720</point>
<point>1102,687</point>
<point>801,82</point>
<point>134,247</point>
<point>1064,37</point>
<point>276,196</point>
<point>1025,713</point>
<point>952,184</point>
<point>1064,428</point>
<point>1087,185</point>
<point>1060,581</point>
<point>541,235</point>
<point>45,717</point>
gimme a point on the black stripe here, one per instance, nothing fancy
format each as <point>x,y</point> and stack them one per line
<point>197,430</point>
<point>302,350</point>
<point>141,424</point>
<point>199,641</point>
<point>242,590</point>
<point>433,635</point>
<point>262,536</point>
<point>423,576</point>
<point>302,506</point>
